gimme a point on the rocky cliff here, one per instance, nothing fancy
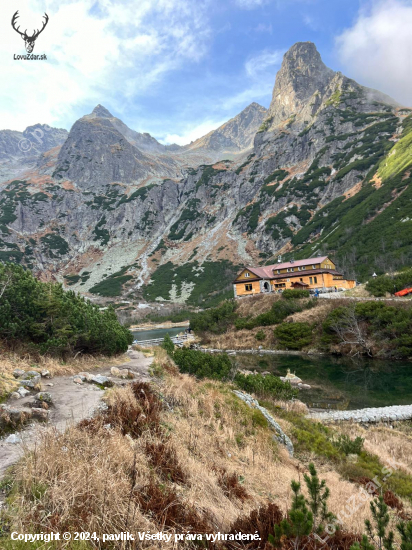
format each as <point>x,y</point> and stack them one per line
<point>114,213</point>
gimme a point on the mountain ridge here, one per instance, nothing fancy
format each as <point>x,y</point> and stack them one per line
<point>330,160</point>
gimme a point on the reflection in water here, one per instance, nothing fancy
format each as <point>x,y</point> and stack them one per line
<point>341,383</point>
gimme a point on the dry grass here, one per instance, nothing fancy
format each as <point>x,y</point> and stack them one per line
<point>242,339</point>
<point>9,361</point>
<point>255,305</point>
<point>178,455</point>
<point>314,315</point>
<point>388,444</point>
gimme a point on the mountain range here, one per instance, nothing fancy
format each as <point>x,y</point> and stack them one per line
<point>113,213</point>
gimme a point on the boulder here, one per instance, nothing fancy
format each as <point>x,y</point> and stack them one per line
<point>44,396</point>
<point>101,380</point>
<point>32,374</point>
<point>23,392</point>
<point>78,380</point>
<point>31,383</point>
<point>17,373</point>
<point>15,395</point>
<point>45,373</point>
<point>115,371</point>
<point>85,376</point>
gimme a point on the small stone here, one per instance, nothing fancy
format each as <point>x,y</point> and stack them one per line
<point>15,395</point>
<point>40,414</point>
<point>44,396</point>
<point>17,373</point>
<point>77,380</point>
<point>45,373</point>
<point>49,384</point>
<point>13,439</point>
<point>23,392</point>
<point>115,371</point>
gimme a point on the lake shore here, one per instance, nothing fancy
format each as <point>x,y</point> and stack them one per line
<point>154,326</point>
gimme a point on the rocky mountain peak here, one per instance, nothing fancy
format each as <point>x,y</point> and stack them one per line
<point>301,75</point>
<point>102,112</point>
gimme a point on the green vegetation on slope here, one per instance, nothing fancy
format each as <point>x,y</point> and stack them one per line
<point>50,320</point>
<point>210,281</point>
<point>113,284</point>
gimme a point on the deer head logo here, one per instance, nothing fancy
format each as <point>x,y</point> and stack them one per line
<point>29,41</point>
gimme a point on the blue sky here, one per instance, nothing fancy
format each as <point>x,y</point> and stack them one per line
<point>179,68</point>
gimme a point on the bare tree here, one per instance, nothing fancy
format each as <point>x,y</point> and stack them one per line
<point>351,332</point>
<point>4,284</point>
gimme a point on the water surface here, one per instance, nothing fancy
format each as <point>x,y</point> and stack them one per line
<point>341,383</point>
<point>151,334</point>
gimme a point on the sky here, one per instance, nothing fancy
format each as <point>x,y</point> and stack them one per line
<point>180,68</point>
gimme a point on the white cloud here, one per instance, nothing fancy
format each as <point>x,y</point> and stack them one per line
<point>263,62</point>
<point>96,49</point>
<point>377,49</point>
<point>191,134</point>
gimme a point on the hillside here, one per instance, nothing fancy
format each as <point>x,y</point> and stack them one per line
<point>114,214</point>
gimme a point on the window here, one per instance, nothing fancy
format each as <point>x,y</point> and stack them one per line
<point>303,267</point>
<point>298,268</point>
<point>310,280</point>
<point>247,274</point>
<point>301,279</point>
<point>278,270</point>
<point>316,280</point>
<point>248,287</point>
<point>292,269</point>
<point>313,266</point>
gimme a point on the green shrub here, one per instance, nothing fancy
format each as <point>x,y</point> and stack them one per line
<point>53,321</point>
<point>293,335</point>
<point>202,365</point>
<point>347,445</point>
<point>265,386</point>
<point>215,320</point>
<point>290,293</point>
<point>260,335</point>
<point>379,286</point>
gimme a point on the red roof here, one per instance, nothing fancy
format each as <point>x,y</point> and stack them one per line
<point>267,272</point>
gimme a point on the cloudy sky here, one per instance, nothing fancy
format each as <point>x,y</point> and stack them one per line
<point>179,68</point>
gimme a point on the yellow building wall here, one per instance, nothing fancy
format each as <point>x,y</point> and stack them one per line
<point>241,290</point>
<point>324,280</point>
<point>243,277</point>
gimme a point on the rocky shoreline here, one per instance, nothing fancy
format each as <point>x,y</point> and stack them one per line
<point>375,414</point>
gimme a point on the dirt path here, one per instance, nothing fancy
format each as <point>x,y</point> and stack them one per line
<point>71,403</point>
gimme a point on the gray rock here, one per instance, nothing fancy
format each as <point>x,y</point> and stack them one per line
<point>45,397</point>
<point>15,395</point>
<point>45,373</point>
<point>32,384</point>
<point>78,380</point>
<point>23,392</point>
<point>14,439</point>
<point>101,381</point>
<point>17,373</point>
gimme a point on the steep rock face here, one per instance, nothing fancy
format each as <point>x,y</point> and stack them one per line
<point>301,75</point>
<point>235,135</point>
